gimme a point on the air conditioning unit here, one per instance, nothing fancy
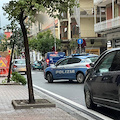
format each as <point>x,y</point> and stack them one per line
<point>118,2</point>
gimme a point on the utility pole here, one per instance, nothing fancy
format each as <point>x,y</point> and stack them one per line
<point>54,36</point>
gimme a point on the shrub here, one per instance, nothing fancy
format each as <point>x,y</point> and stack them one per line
<point>18,78</point>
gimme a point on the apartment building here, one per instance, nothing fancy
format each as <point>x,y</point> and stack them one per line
<point>111,26</point>
<point>69,29</point>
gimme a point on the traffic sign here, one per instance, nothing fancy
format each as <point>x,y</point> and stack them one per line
<point>80,41</point>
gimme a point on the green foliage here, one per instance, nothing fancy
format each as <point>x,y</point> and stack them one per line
<point>44,42</point>
<point>3,43</point>
<point>30,7</point>
<point>18,78</point>
<point>4,81</point>
<point>17,40</point>
<point>73,44</point>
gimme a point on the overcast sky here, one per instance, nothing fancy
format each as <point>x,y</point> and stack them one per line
<point>3,20</point>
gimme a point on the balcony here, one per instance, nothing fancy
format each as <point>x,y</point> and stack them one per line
<point>107,25</point>
<point>102,2</point>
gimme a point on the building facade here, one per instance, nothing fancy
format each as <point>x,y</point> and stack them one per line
<point>111,25</point>
<point>69,29</point>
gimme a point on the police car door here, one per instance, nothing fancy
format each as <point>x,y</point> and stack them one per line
<point>71,67</point>
<point>59,70</point>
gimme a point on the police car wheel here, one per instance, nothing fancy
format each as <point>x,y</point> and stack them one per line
<point>88,100</point>
<point>49,78</point>
<point>80,77</point>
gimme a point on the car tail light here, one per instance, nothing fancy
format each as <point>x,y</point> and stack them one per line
<point>47,61</point>
<point>14,66</point>
<point>56,52</point>
<point>88,66</point>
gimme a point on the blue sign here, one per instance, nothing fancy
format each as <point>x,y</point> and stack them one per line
<point>80,41</point>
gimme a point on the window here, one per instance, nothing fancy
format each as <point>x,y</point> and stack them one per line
<point>116,62</point>
<point>106,62</point>
<point>73,60</point>
<point>64,62</point>
<point>20,62</point>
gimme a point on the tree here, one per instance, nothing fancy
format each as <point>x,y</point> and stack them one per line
<point>3,43</point>
<point>15,40</point>
<point>19,10</point>
<point>44,42</point>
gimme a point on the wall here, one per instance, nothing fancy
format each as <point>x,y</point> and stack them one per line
<point>109,12</point>
<point>87,27</point>
<point>4,54</point>
<point>86,3</point>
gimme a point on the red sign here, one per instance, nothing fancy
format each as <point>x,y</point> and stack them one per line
<point>4,65</point>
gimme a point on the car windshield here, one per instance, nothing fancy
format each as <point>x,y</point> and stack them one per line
<point>91,59</point>
<point>20,62</point>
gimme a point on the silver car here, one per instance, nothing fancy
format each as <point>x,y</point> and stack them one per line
<point>19,65</point>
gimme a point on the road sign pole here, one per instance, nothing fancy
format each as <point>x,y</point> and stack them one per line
<point>80,46</point>
<point>80,41</point>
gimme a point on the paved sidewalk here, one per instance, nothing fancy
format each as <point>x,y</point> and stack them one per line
<point>17,92</point>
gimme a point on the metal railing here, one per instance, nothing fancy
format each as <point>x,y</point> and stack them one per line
<point>108,24</point>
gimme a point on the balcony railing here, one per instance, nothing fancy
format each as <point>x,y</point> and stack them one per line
<point>102,2</point>
<point>97,1</point>
<point>106,25</point>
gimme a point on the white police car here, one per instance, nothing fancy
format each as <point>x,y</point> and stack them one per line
<point>72,68</point>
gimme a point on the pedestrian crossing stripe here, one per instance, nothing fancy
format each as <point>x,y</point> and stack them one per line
<point>2,64</point>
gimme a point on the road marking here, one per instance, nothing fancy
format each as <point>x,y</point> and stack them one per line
<point>77,106</point>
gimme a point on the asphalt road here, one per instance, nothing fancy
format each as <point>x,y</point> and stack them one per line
<point>64,88</point>
<point>69,90</point>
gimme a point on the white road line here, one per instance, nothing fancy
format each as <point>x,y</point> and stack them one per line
<point>73,103</point>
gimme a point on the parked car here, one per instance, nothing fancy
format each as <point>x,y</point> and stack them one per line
<point>102,82</point>
<point>37,65</point>
<point>19,65</point>
<point>72,68</point>
<point>52,57</point>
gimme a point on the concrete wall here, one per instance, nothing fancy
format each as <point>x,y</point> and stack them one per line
<point>87,27</point>
<point>86,3</point>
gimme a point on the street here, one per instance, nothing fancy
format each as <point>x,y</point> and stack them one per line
<point>70,90</point>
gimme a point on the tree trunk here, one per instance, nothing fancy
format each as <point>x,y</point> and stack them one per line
<point>28,66</point>
<point>8,80</point>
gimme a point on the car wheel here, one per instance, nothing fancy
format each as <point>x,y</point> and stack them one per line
<point>80,78</point>
<point>49,77</point>
<point>88,100</point>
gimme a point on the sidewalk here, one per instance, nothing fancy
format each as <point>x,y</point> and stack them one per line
<point>17,92</point>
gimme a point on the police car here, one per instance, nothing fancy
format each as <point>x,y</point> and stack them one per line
<point>71,68</point>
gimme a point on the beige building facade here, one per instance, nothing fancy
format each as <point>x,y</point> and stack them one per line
<point>68,30</point>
